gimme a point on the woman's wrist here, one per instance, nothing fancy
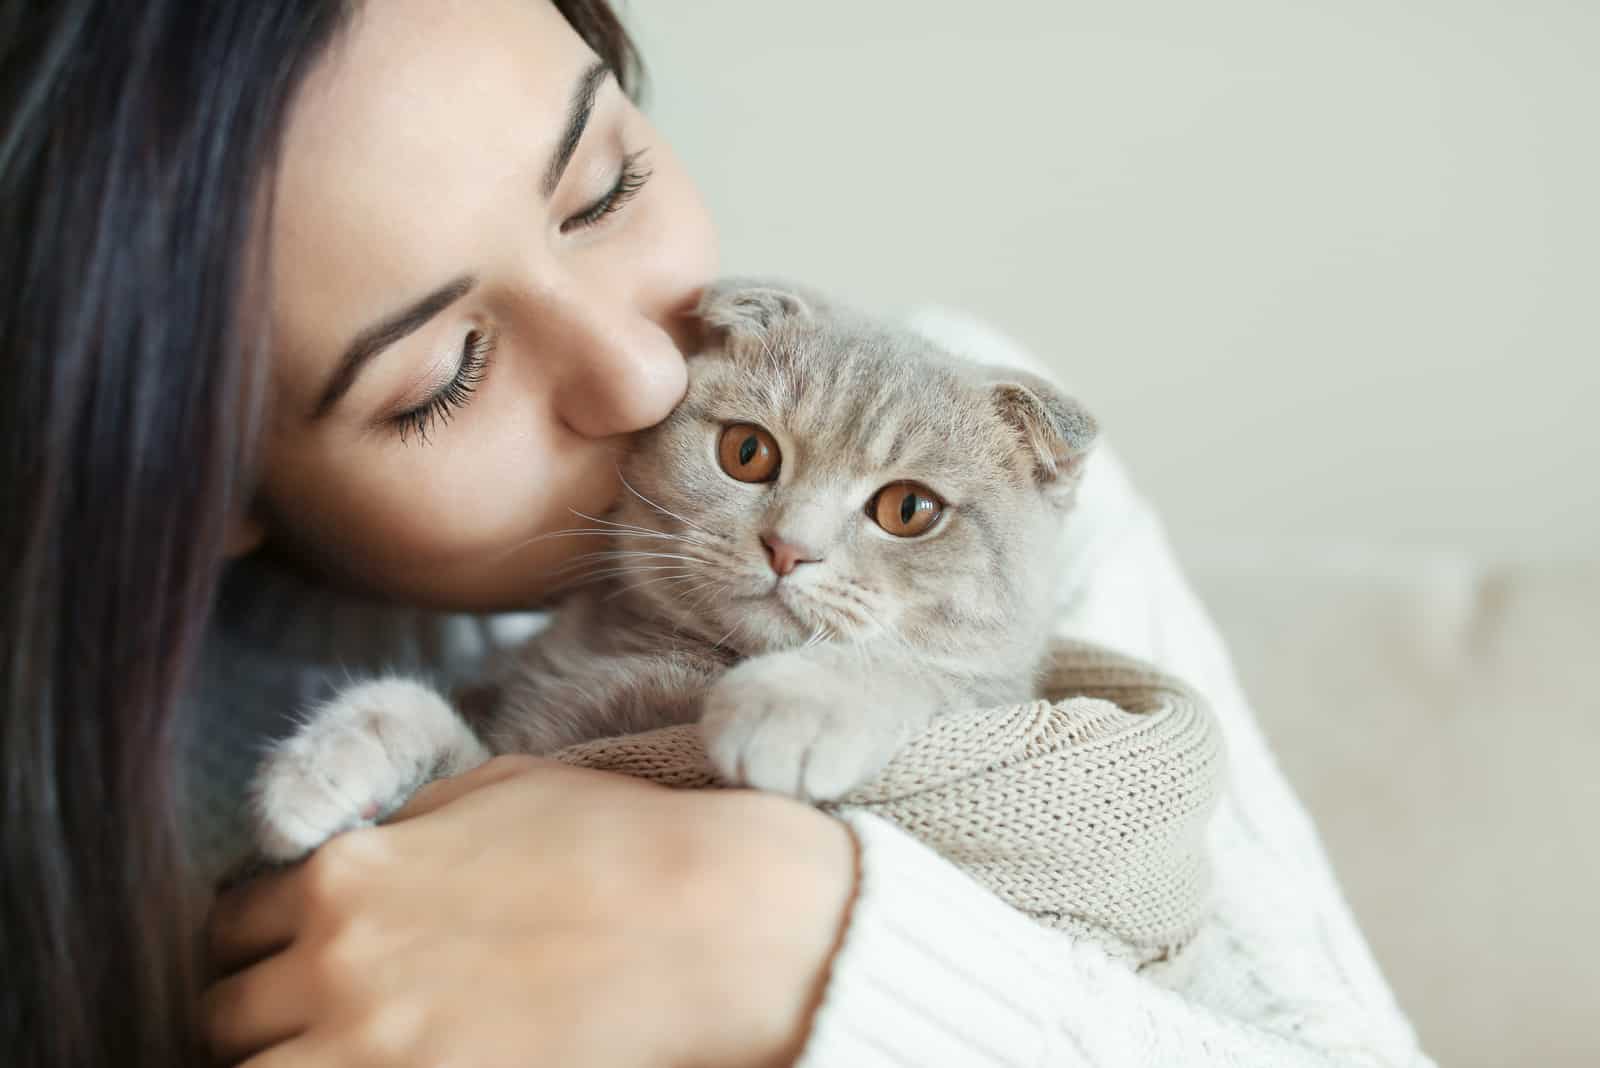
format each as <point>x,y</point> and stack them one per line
<point>772,884</point>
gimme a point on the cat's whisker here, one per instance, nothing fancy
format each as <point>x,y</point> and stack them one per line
<point>685,594</point>
<point>613,530</point>
<point>695,599</point>
<point>625,536</point>
<point>710,594</point>
<point>885,633</point>
<point>736,625</point>
<point>627,554</point>
<point>652,554</point>
<point>587,578</point>
<point>626,574</point>
<point>633,586</point>
<point>635,528</point>
<point>660,508</point>
<point>701,597</point>
<point>523,544</point>
<point>822,633</point>
<point>844,591</point>
<point>639,553</point>
<point>578,532</point>
<point>857,594</point>
<point>629,569</point>
<point>604,521</point>
<point>680,621</point>
<point>824,598</point>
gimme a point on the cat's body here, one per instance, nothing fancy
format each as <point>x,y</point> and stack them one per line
<point>841,533</point>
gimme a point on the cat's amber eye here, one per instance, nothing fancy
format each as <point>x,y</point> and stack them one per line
<point>906,509</point>
<point>748,453</point>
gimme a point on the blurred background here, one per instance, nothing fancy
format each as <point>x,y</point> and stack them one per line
<point>1328,274</point>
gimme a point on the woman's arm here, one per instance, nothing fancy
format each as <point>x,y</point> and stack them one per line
<point>528,913</point>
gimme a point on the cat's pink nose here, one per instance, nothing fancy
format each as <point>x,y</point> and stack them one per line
<point>785,556</point>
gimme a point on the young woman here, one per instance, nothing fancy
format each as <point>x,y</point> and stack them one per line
<point>350,302</point>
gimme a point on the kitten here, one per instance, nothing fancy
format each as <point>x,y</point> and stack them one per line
<point>839,534</point>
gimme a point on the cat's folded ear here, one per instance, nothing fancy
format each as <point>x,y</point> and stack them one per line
<point>1054,431</point>
<point>746,306</point>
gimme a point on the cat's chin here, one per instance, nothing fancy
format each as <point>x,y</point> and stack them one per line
<point>756,621</point>
<point>766,626</point>
<point>789,618</point>
<point>765,622</point>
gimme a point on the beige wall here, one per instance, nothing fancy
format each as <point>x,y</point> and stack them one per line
<point>1327,270</point>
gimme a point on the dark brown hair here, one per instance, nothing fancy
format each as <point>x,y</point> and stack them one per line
<point>602,31</point>
<point>136,139</point>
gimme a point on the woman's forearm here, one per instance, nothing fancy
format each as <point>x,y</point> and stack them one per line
<point>773,888</point>
<point>531,913</point>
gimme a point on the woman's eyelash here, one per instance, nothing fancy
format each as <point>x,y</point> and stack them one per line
<point>630,180</point>
<point>439,408</point>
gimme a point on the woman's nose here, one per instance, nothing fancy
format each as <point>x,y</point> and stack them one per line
<point>619,370</point>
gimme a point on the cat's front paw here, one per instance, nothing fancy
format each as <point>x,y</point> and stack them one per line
<point>779,724</point>
<point>357,758</point>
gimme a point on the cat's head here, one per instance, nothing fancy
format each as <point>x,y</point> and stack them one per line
<point>833,477</point>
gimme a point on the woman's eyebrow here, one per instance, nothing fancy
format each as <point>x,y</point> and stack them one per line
<point>578,113</point>
<point>374,339</point>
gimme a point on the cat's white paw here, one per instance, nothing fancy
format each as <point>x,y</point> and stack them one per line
<point>777,724</point>
<point>358,757</point>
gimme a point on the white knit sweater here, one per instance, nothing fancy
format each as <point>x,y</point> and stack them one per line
<point>935,970</point>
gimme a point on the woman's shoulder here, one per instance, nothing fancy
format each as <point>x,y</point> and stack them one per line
<point>277,619</point>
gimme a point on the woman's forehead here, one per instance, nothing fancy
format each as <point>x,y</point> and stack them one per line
<point>404,146</point>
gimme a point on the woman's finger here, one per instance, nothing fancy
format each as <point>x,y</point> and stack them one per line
<point>254,919</point>
<point>255,1009</point>
<point>441,792</point>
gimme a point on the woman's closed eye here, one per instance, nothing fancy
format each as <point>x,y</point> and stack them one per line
<point>453,395</point>
<point>630,180</point>
<point>421,420</point>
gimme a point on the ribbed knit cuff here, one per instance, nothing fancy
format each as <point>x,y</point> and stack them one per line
<point>933,969</point>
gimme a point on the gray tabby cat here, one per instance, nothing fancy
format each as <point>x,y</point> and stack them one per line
<point>839,534</point>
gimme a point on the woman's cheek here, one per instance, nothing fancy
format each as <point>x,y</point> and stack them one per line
<point>485,481</point>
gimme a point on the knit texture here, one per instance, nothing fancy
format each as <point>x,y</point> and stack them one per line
<point>1086,811</point>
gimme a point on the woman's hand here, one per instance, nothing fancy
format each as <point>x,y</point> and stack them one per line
<point>529,913</point>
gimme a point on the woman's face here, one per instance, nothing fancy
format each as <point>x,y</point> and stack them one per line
<point>483,257</point>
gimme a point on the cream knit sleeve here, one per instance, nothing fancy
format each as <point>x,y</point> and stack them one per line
<point>934,970</point>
